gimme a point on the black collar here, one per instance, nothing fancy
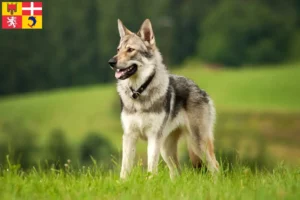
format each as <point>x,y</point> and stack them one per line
<point>138,92</point>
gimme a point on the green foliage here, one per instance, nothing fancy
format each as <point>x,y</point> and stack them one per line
<point>18,144</point>
<point>58,150</point>
<point>78,38</point>
<point>246,32</point>
<point>96,148</point>
<point>295,46</point>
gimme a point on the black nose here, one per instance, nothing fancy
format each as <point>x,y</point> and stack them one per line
<point>112,62</point>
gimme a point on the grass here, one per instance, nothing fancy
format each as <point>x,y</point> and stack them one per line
<point>92,183</point>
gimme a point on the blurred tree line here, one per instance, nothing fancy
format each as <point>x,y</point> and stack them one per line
<point>56,151</point>
<point>79,37</point>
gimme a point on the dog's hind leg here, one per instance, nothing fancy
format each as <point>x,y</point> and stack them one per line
<point>169,152</point>
<point>195,160</point>
<point>203,152</point>
<point>200,141</point>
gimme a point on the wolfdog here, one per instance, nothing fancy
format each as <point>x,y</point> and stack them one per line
<point>159,107</point>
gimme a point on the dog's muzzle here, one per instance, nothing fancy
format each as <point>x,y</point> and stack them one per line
<point>112,62</point>
<point>125,73</point>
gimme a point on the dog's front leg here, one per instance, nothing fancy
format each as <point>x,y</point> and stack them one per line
<point>153,154</point>
<point>129,148</point>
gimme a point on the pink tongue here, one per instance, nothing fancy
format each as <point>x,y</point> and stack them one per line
<point>118,74</point>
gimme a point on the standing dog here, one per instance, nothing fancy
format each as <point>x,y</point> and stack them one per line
<point>159,107</point>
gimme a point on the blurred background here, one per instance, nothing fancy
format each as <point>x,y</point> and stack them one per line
<point>58,102</point>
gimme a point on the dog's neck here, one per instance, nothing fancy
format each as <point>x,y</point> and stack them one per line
<point>160,80</point>
<point>137,92</point>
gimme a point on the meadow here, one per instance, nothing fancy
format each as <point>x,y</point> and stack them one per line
<point>92,183</point>
<point>257,137</point>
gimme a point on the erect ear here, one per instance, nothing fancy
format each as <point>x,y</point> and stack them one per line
<point>146,32</point>
<point>122,29</point>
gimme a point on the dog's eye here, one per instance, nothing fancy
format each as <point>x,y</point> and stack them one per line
<point>118,49</point>
<point>130,50</point>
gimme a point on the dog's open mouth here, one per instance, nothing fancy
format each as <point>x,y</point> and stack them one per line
<point>125,73</point>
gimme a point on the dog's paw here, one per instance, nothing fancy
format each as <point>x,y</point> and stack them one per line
<point>123,176</point>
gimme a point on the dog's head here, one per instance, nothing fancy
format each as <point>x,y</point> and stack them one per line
<point>134,52</point>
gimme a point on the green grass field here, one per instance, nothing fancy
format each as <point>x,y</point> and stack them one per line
<point>241,183</point>
<point>258,111</point>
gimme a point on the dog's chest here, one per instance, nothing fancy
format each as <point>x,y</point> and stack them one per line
<point>142,123</point>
